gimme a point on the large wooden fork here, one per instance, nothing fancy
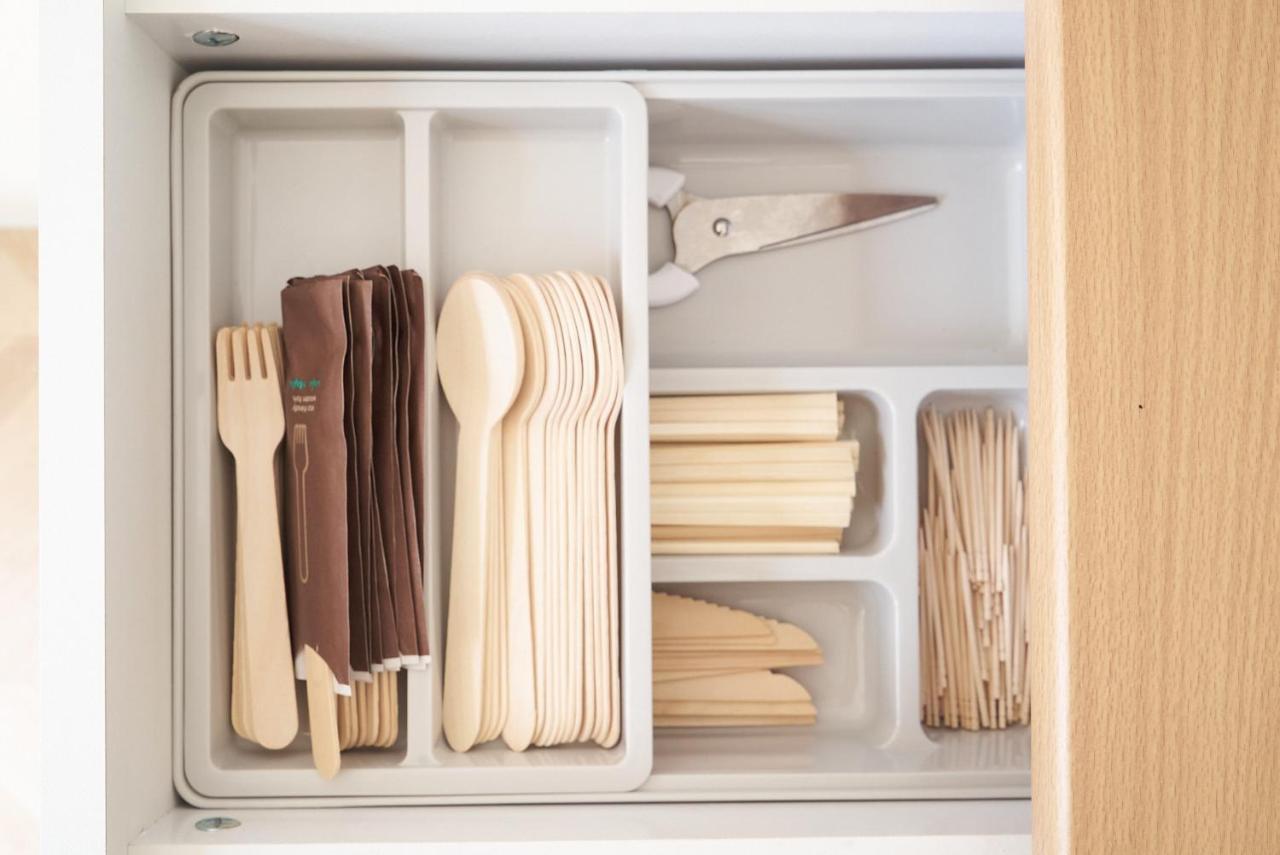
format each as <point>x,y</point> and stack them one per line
<point>251,424</point>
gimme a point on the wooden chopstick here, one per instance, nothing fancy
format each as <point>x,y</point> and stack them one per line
<point>745,547</point>
<point>734,472</point>
<point>753,488</point>
<point>743,431</point>
<point>731,403</point>
<point>839,451</point>
<point>727,532</point>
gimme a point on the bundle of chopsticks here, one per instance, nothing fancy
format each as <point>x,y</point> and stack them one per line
<point>973,573</point>
<point>750,474</point>
<point>712,667</point>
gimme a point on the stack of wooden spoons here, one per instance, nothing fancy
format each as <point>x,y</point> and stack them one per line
<point>711,667</point>
<point>532,369</point>
<point>750,474</point>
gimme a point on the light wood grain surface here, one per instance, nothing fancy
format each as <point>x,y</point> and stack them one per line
<point>1155,424</point>
<point>19,723</point>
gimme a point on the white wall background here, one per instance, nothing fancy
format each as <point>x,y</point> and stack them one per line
<point>19,113</point>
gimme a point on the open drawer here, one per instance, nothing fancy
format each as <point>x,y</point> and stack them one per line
<point>517,172</point>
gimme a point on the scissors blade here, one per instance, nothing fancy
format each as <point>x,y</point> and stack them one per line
<point>706,230</point>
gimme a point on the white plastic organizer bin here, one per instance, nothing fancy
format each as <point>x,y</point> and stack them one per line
<point>534,171</point>
<point>287,179</point>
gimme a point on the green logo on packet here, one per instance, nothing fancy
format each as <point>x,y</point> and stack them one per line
<point>302,385</point>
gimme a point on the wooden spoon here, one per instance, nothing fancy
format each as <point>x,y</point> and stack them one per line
<point>562,514</point>
<point>480,354</point>
<point>595,595</point>
<point>518,728</point>
<point>572,650</point>
<point>578,517</point>
<point>609,737</point>
<point>391,709</point>
<point>489,712</point>
<point>541,431</point>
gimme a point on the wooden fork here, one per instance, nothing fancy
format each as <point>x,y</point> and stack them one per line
<point>251,424</point>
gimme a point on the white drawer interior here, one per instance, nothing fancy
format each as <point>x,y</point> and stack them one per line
<point>928,309</point>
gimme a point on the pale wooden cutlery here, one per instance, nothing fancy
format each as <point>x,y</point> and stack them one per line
<point>535,365</point>
<point>480,355</point>
<point>251,424</point>
<point>517,731</point>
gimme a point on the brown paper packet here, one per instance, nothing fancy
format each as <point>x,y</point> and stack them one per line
<point>415,296</point>
<point>386,639</point>
<point>357,548</point>
<point>383,646</point>
<point>315,344</point>
<point>386,462</point>
<point>405,348</point>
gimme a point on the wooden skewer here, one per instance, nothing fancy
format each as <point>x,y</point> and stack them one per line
<point>973,572</point>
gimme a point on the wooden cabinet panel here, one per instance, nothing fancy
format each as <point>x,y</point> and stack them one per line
<point>1155,424</point>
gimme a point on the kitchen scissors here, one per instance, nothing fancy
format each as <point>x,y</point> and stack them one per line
<point>706,230</point>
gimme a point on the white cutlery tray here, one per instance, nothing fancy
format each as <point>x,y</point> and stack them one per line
<point>446,172</point>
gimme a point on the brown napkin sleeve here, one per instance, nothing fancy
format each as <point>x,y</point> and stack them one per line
<point>416,297</point>
<point>386,462</point>
<point>406,345</point>
<point>384,647</point>
<point>357,607</point>
<point>315,344</point>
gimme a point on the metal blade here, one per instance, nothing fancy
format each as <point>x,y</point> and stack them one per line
<point>709,229</point>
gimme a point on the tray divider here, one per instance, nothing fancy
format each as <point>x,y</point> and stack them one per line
<point>422,692</point>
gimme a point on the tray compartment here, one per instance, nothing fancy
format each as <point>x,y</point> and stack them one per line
<point>943,287</point>
<point>985,748</point>
<point>285,179</point>
<point>280,189</point>
<point>868,419</point>
<point>524,190</point>
<point>851,689</point>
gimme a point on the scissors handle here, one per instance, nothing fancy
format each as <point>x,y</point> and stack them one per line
<point>664,184</point>
<point>669,283</point>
